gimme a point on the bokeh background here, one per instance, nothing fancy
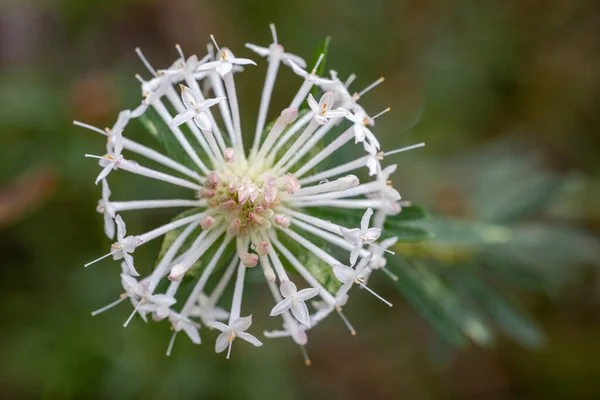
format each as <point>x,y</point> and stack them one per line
<point>506,95</point>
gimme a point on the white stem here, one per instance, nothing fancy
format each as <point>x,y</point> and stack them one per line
<point>199,287</point>
<point>327,225</point>
<point>151,204</point>
<point>195,254</point>
<point>236,304</point>
<point>340,184</point>
<point>158,232</point>
<point>171,343</point>
<point>235,112</point>
<point>279,269</point>
<point>147,152</point>
<point>310,129</point>
<point>302,92</point>
<point>163,266</point>
<point>322,254</point>
<point>167,118</point>
<point>265,99</point>
<point>219,91</point>
<point>220,288</point>
<point>414,146</point>
<point>312,142</point>
<point>305,119</point>
<point>326,152</point>
<point>355,191</point>
<point>340,169</point>
<point>145,61</point>
<point>135,168</point>
<point>101,258</point>
<point>274,133</point>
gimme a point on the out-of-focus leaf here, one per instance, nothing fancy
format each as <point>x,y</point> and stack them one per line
<point>449,304</point>
<point>161,132</point>
<point>506,313</point>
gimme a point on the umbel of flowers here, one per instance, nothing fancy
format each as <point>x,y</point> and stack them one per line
<point>251,205</point>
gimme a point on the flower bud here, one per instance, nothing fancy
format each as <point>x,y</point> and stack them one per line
<point>177,272</point>
<point>207,223</point>
<point>249,260</point>
<point>263,248</point>
<point>281,221</point>
<point>228,154</point>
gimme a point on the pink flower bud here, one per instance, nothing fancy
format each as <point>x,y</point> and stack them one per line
<point>229,154</point>
<point>281,221</point>
<point>249,260</point>
<point>291,183</point>
<point>207,223</point>
<point>206,193</point>
<point>177,272</point>
<point>288,115</point>
<point>212,180</point>
<point>263,248</point>
<point>270,274</point>
<point>234,227</point>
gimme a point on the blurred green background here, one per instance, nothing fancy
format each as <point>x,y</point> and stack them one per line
<point>509,94</point>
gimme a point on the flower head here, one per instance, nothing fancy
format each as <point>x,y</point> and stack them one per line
<point>250,205</point>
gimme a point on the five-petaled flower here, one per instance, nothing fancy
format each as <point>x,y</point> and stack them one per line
<point>293,300</point>
<point>236,329</point>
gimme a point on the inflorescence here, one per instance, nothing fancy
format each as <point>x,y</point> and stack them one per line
<point>248,204</point>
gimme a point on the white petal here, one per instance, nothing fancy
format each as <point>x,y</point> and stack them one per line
<point>129,261</point>
<point>218,325</point>
<point>241,324</point>
<point>359,133</point>
<point>121,228</point>
<point>163,300</point>
<point>190,99</point>
<point>261,51</point>
<point>249,338</point>
<point>183,117</point>
<point>298,70</point>
<point>105,171</point>
<point>203,122</point>
<point>109,225</point>
<point>336,113</point>
<point>299,61</point>
<point>222,342</point>
<point>326,101</point>
<point>209,65</point>
<point>191,331</point>
<point>364,222</point>
<point>372,164</point>
<point>224,68</point>
<point>122,120</point>
<point>312,103</point>
<point>306,294</point>
<point>354,254</point>
<point>389,170</point>
<point>243,61</point>
<point>352,236</point>
<point>288,289</point>
<point>300,312</point>
<point>343,273</point>
<point>280,307</point>
<point>372,234</point>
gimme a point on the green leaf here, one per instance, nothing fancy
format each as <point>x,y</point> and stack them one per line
<point>510,317</point>
<point>154,124</point>
<point>439,304</point>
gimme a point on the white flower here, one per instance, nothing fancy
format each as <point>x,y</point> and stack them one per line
<point>236,329</point>
<point>125,246</point>
<point>350,276</point>
<point>225,62</point>
<point>358,237</point>
<point>181,323</point>
<point>159,304</point>
<point>195,109</point>
<point>276,51</point>
<point>248,204</point>
<point>324,108</point>
<point>114,146</point>
<point>106,208</point>
<point>208,312</point>
<point>378,261</point>
<point>294,301</point>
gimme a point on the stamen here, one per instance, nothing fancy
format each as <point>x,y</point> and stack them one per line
<point>178,47</point>
<point>145,61</point>
<point>109,306</point>
<point>381,248</point>
<point>305,355</point>
<point>373,293</point>
<point>343,317</point>
<point>229,350</point>
<point>212,37</point>
<point>349,81</point>
<point>371,86</point>
<point>314,70</point>
<point>133,313</point>
<point>171,342</point>
<point>381,113</point>
<point>389,273</point>
<point>90,127</point>
<point>274,33</point>
<point>101,258</point>
<point>414,146</point>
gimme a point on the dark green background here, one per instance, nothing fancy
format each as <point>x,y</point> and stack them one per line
<point>501,81</point>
